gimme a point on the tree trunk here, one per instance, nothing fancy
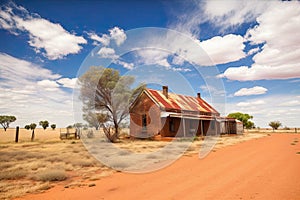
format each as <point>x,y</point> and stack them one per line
<point>5,128</point>
<point>32,135</point>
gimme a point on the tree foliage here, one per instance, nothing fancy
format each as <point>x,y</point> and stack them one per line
<point>244,118</point>
<point>27,127</point>
<point>106,97</point>
<point>5,120</point>
<point>53,126</point>
<point>275,124</point>
<point>44,124</point>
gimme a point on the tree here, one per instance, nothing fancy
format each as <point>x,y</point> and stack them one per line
<point>32,127</point>
<point>27,127</point>
<point>69,126</point>
<point>44,124</point>
<point>53,126</point>
<point>78,125</point>
<point>106,98</point>
<point>5,120</point>
<point>244,118</point>
<point>275,125</point>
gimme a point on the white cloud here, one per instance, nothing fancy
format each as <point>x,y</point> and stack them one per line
<point>251,91</point>
<point>250,103</point>
<point>31,93</point>
<point>48,85</point>
<point>48,38</point>
<point>253,51</point>
<point>104,39</point>
<point>231,13</point>
<point>279,57</point>
<point>177,60</point>
<point>118,35</point>
<point>224,49</point>
<point>295,102</point>
<point>68,82</point>
<point>217,50</point>
<point>153,57</point>
<point>12,67</point>
<point>106,52</point>
<point>124,64</point>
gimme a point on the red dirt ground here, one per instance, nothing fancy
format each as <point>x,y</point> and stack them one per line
<point>266,168</point>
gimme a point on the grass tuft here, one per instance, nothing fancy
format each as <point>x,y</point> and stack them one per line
<point>51,175</point>
<point>13,175</point>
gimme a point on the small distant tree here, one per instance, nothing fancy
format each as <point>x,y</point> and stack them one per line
<point>5,120</point>
<point>78,125</point>
<point>32,127</point>
<point>44,124</point>
<point>275,124</point>
<point>244,118</point>
<point>27,127</point>
<point>53,126</point>
<point>70,126</point>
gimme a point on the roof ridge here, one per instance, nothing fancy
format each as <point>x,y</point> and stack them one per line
<point>174,93</point>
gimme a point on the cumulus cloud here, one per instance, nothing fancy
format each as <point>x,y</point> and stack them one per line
<point>217,50</point>
<point>104,39</point>
<point>279,57</point>
<point>106,52</point>
<point>251,91</point>
<point>116,34</point>
<point>48,38</point>
<point>224,49</point>
<point>68,82</point>
<point>31,93</point>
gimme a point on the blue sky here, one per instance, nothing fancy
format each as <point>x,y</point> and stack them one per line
<point>243,52</point>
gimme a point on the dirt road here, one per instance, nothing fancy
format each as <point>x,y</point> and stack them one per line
<point>266,168</point>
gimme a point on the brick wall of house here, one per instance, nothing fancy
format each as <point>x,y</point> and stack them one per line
<point>144,106</point>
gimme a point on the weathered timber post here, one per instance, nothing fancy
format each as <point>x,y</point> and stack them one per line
<point>17,135</point>
<point>32,135</point>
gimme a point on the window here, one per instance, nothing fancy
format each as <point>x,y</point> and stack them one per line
<point>144,121</point>
<point>171,125</point>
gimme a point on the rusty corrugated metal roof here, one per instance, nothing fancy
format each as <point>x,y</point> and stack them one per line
<point>181,102</point>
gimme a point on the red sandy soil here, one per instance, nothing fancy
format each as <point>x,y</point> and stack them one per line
<point>265,168</point>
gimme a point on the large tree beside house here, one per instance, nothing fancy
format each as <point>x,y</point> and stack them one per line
<point>106,96</point>
<point>244,118</point>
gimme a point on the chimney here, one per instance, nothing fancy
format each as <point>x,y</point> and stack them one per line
<point>165,91</point>
<point>199,95</point>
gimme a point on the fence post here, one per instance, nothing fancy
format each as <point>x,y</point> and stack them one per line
<point>17,135</point>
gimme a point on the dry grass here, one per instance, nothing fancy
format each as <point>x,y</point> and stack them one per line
<point>51,175</point>
<point>29,167</point>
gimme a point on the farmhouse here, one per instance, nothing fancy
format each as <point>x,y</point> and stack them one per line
<point>167,114</point>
